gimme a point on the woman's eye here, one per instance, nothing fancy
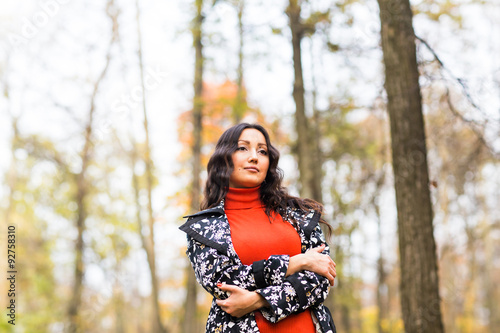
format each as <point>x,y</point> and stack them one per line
<point>263,152</point>
<point>241,148</point>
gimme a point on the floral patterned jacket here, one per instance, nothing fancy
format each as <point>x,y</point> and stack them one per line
<point>214,259</point>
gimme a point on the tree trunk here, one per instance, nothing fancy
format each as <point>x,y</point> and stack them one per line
<point>12,174</point>
<point>118,300</point>
<point>238,110</point>
<point>74,305</point>
<point>135,184</point>
<point>301,122</point>
<point>74,324</point>
<point>345,314</point>
<point>420,301</point>
<point>189,323</point>
<point>382,289</point>
<point>81,186</point>
<point>149,244</point>
<point>317,154</point>
<point>490,286</point>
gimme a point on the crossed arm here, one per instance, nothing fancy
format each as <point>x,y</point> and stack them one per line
<point>241,301</point>
<point>287,284</point>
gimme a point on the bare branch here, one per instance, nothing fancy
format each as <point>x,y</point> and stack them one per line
<point>459,80</point>
<point>472,124</point>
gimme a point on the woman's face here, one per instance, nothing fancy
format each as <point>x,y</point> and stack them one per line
<point>250,160</point>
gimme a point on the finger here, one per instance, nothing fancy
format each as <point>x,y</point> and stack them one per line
<point>318,249</point>
<point>331,279</point>
<point>332,267</point>
<point>227,287</point>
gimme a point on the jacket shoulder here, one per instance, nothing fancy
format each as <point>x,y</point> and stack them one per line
<point>209,227</point>
<point>307,219</point>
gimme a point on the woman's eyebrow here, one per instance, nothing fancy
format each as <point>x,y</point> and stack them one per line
<point>248,142</point>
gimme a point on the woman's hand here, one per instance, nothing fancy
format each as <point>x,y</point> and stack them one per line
<point>320,263</point>
<point>240,301</point>
<point>313,260</point>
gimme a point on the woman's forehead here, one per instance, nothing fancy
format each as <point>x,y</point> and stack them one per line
<point>252,135</point>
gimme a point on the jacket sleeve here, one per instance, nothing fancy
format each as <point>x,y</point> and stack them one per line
<point>299,291</point>
<point>212,267</point>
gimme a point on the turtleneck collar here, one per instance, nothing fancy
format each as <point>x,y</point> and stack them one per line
<point>243,198</point>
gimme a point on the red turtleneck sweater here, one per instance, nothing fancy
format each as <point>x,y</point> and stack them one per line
<point>256,238</point>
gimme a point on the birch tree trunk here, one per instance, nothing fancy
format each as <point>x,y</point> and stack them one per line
<point>420,303</point>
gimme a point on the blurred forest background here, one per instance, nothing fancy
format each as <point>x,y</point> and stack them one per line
<point>110,109</point>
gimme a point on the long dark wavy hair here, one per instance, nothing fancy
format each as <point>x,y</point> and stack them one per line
<point>272,194</point>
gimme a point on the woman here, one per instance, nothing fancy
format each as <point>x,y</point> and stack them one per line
<point>258,251</point>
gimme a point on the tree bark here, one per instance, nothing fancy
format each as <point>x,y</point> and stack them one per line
<point>492,292</point>
<point>301,121</point>
<point>317,154</point>
<point>382,300</point>
<point>12,174</point>
<point>149,244</point>
<point>74,324</point>
<point>118,301</point>
<point>420,300</point>
<point>189,323</point>
<point>238,109</point>
<point>293,12</point>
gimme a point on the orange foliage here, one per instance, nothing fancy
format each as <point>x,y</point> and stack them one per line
<point>219,101</point>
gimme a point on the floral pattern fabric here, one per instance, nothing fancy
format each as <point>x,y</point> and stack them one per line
<point>214,260</point>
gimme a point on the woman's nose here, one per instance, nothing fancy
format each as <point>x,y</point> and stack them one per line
<point>253,156</point>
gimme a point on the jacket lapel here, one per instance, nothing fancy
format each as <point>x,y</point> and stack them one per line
<point>210,227</point>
